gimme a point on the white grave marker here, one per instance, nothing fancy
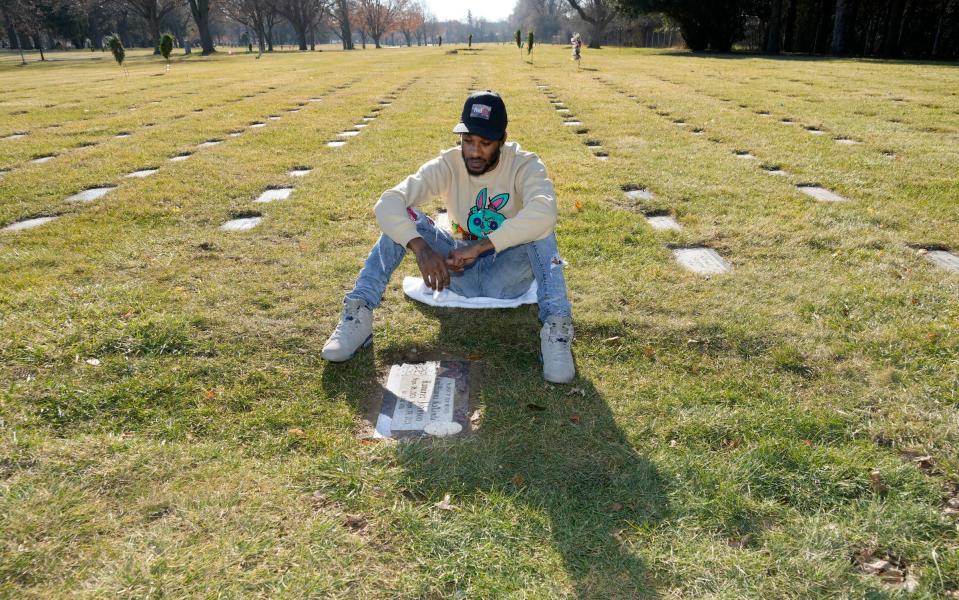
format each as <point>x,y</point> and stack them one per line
<point>15,136</point>
<point>336,143</point>
<point>705,261</point>
<point>274,194</point>
<point>663,223</point>
<point>348,133</point>
<point>257,125</point>
<point>572,123</point>
<point>946,260</point>
<point>29,223</point>
<point>180,157</point>
<point>641,194</point>
<point>90,195</point>
<point>243,224</point>
<point>745,156</point>
<point>42,159</point>
<point>847,142</point>
<point>142,173</point>
<point>299,172</point>
<point>209,143</point>
<point>821,193</point>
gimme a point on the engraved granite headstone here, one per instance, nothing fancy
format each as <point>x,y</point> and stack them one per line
<point>425,399</point>
<point>946,260</point>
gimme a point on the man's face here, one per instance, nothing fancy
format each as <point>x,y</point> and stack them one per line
<point>480,154</point>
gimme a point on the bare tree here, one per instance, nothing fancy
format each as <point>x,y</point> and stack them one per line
<point>380,16</point>
<point>256,15</point>
<point>153,12</point>
<point>341,12</point>
<point>598,13</point>
<point>201,16</point>
<point>303,15</point>
<point>410,21</point>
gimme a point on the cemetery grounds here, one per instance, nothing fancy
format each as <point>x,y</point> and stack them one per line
<point>786,429</point>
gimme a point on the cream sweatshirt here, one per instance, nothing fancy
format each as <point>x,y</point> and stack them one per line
<point>513,204</point>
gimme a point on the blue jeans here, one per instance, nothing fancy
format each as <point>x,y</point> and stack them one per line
<point>506,274</point>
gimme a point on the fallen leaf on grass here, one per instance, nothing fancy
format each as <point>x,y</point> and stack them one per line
<point>296,432</point>
<point>518,480</point>
<point>476,416</point>
<point>619,535</point>
<point>574,419</point>
<point>210,394</point>
<point>94,362</point>
<point>616,507</point>
<point>474,356</point>
<point>648,352</point>
<point>445,504</point>
<point>576,390</point>
<point>579,205</point>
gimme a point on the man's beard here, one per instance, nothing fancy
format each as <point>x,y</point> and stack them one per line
<point>489,165</point>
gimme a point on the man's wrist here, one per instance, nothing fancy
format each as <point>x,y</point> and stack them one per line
<point>417,245</point>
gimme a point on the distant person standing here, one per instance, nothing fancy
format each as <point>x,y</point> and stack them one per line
<point>577,43</point>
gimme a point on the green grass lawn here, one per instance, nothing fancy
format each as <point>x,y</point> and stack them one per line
<point>167,428</point>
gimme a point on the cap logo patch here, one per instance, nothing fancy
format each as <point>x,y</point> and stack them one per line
<point>481,111</point>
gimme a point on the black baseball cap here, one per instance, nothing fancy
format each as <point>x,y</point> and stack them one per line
<point>483,114</point>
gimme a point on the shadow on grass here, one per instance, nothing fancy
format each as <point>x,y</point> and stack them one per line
<point>552,455</point>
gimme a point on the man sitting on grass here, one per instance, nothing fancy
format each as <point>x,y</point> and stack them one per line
<point>503,211</point>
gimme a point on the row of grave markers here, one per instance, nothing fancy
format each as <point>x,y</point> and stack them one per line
<point>942,258</point>
<point>120,135</point>
<point>706,260</point>
<point>92,194</point>
<point>248,220</point>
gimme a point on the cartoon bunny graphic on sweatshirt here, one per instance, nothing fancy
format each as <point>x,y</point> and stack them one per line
<point>484,217</point>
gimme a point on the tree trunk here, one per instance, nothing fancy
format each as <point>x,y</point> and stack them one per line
<point>840,28</point>
<point>890,41</point>
<point>301,37</point>
<point>376,41</point>
<point>774,37</point>
<point>154,20</point>
<point>201,15</point>
<point>596,31</point>
<point>346,34</point>
<point>789,41</point>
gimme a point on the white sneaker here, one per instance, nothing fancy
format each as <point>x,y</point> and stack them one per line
<point>354,331</point>
<point>556,338</point>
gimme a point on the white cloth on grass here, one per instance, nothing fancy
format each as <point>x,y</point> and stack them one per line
<point>415,288</point>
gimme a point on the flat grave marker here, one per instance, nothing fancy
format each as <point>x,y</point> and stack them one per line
<point>425,399</point>
<point>241,224</point>
<point>274,194</point>
<point>122,135</point>
<point>348,133</point>
<point>639,194</point>
<point>274,117</point>
<point>299,172</point>
<point>42,159</point>
<point>210,143</point>
<point>572,123</point>
<point>142,173</point>
<point>182,156</point>
<point>336,143</point>
<point>663,223</point>
<point>944,259</point>
<point>846,141</point>
<point>704,261</point>
<point>15,136</point>
<point>91,194</point>
<point>745,155</point>
<point>360,125</point>
<point>257,125</point>
<point>28,223</point>
<point>820,193</point>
